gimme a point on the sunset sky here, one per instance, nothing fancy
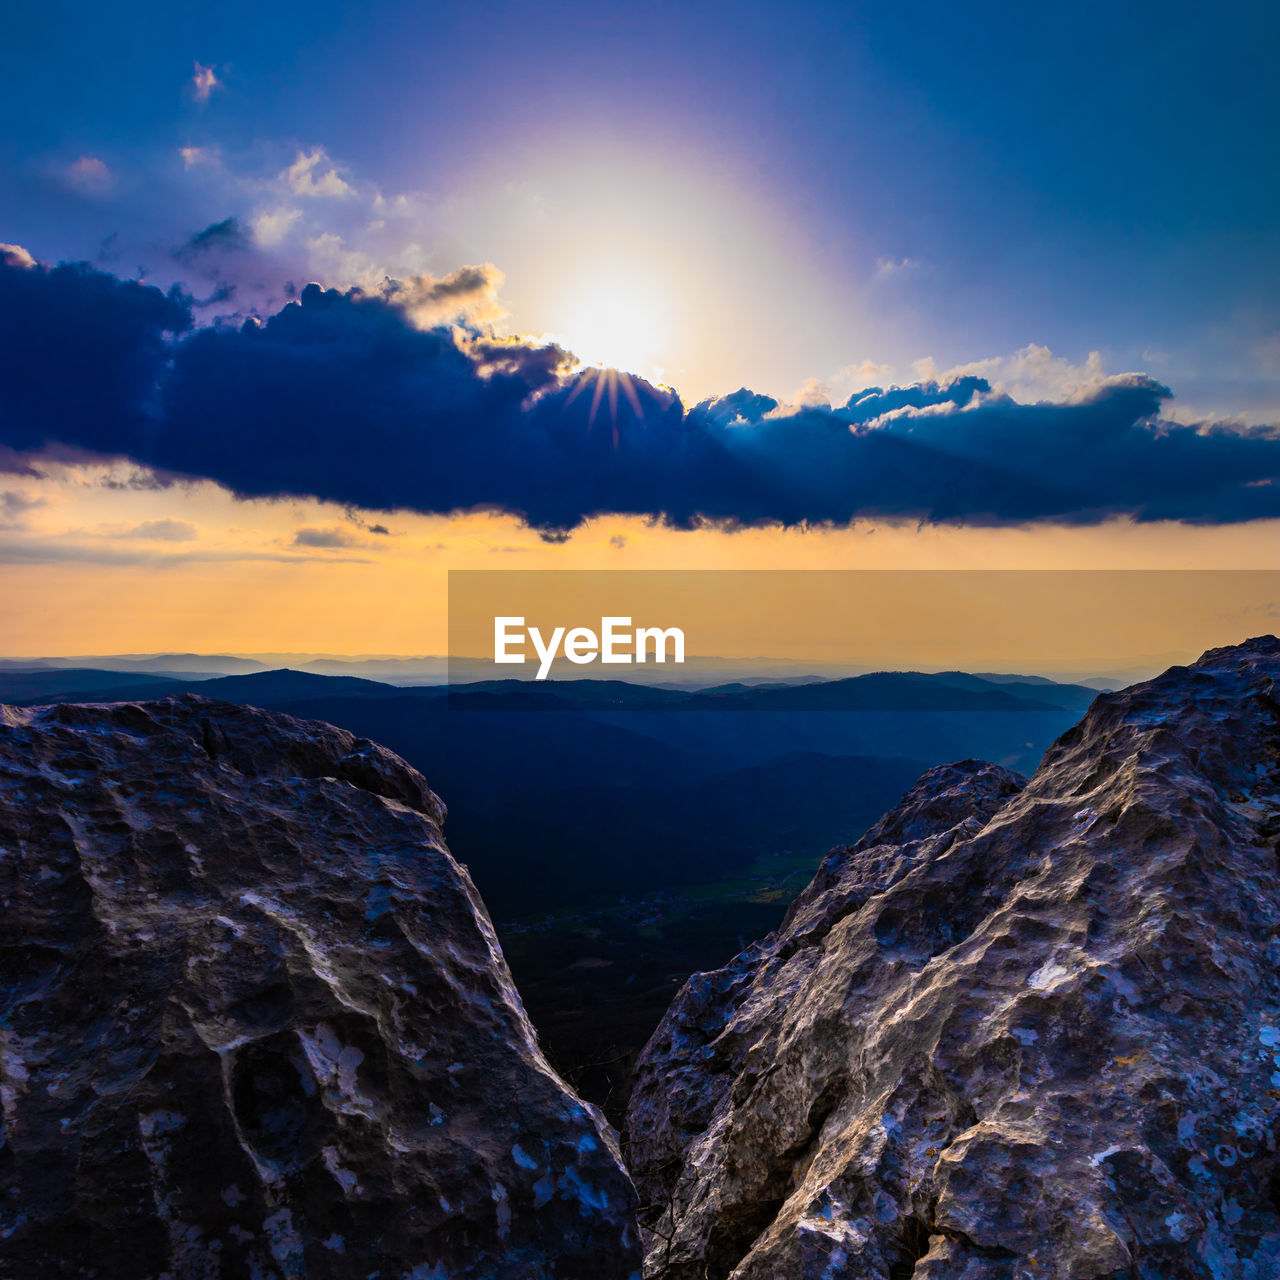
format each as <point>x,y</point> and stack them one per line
<point>998,282</point>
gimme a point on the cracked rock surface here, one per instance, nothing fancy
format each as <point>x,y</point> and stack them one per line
<point>1019,1031</point>
<point>254,1021</point>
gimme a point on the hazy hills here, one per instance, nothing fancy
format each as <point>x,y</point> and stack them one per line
<point>698,672</point>
<point>874,691</point>
<point>638,788</point>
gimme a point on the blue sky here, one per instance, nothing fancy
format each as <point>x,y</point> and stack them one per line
<point>861,182</point>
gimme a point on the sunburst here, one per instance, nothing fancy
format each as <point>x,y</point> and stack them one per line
<point>606,382</point>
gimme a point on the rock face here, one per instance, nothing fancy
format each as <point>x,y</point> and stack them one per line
<point>254,1021</point>
<point>1018,1031</point>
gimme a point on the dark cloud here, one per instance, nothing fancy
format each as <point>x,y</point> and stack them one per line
<point>11,461</point>
<point>140,480</point>
<point>360,522</point>
<point>223,293</point>
<point>876,402</point>
<point>82,356</point>
<point>217,237</point>
<point>325,538</point>
<point>341,396</point>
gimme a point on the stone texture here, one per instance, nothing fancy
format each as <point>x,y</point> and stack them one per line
<point>254,1021</point>
<point>1017,1031</point>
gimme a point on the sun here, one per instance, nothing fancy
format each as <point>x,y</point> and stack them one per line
<point>616,320</point>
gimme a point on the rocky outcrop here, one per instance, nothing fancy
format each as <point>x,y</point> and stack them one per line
<point>1017,1031</point>
<point>254,1021</point>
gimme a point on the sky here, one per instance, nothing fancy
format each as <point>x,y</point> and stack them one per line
<point>998,278</point>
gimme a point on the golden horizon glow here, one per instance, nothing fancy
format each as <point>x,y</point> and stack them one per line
<point>101,567</point>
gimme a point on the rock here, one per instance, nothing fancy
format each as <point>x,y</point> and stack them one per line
<point>1015,1032</point>
<point>254,1020</point>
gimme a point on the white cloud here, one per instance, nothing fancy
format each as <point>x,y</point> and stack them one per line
<point>14,255</point>
<point>813,394</point>
<point>204,82</point>
<point>1033,373</point>
<point>886,267</point>
<point>312,174</point>
<point>317,222</point>
<point>272,225</point>
<point>858,377</point>
<point>89,174</point>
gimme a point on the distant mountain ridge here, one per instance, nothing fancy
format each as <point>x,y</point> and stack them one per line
<point>875,691</point>
<point>698,672</point>
<point>156,663</point>
<point>57,685</point>
<point>660,779</point>
<point>257,688</point>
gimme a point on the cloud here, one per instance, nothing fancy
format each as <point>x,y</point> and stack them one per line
<point>15,507</point>
<point>204,82</point>
<point>161,531</point>
<point>137,480</point>
<point>13,503</point>
<point>14,255</point>
<point>866,374</point>
<point>14,463</point>
<point>223,293</point>
<point>468,293</point>
<point>312,174</point>
<point>314,221</point>
<point>360,522</point>
<point>324,538</point>
<point>22,549</point>
<point>227,236</point>
<point>81,357</point>
<point>89,174</point>
<point>1034,372</point>
<point>886,267</point>
<point>272,225</point>
<point>344,396</point>
<point>814,394</point>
